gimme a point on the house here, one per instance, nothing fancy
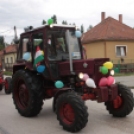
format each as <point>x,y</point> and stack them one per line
<point>110,39</point>
<point>1,58</point>
<point>8,56</point>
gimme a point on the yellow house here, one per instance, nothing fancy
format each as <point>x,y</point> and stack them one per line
<point>1,59</point>
<point>10,54</point>
<point>110,39</point>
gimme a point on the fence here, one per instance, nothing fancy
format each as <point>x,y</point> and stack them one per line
<point>123,65</point>
<point>9,66</point>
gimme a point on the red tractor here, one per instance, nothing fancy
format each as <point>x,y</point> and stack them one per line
<point>5,82</point>
<point>50,64</point>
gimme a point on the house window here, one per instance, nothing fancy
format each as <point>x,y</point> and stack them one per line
<point>11,59</point>
<point>7,60</point>
<point>121,50</point>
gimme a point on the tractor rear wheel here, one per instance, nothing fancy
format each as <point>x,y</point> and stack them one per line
<point>27,93</point>
<point>123,104</point>
<point>8,85</point>
<point>71,111</point>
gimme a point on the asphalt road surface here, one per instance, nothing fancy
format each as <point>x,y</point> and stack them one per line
<point>99,121</point>
<point>126,80</point>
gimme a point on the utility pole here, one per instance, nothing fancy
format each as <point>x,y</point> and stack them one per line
<point>16,41</point>
<point>15,33</point>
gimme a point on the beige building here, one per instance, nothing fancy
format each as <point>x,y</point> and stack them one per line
<point>110,39</point>
<point>8,56</point>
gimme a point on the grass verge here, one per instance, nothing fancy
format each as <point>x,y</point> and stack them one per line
<point>124,74</point>
<point>8,73</point>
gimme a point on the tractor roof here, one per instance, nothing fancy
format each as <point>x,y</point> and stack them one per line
<point>30,29</point>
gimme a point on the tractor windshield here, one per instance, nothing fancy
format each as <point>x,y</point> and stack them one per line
<point>58,45</point>
<point>73,45</point>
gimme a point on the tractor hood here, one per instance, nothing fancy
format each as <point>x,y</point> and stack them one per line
<point>84,66</point>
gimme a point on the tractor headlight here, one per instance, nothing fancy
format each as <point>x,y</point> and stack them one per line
<point>112,72</point>
<point>80,75</point>
<point>51,26</point>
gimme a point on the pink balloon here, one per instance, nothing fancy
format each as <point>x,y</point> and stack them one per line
<point>103,82</point>
<point>85,77</point>
<point>111,80</point>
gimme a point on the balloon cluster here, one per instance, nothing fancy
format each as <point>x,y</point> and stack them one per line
<point>89,81</point>
<point>59,84</point>
<point>105,67</point>
<point>106,81</point>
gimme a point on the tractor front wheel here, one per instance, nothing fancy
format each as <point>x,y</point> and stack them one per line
<point>123,104</point>
<point>71,111</point>
<point>27,93</point>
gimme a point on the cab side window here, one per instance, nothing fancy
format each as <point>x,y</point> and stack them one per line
<point>38,41</point>
<point>25,50</point>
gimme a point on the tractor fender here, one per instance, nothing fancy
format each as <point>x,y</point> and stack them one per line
<point>22,64</point>
<point>59,92</point>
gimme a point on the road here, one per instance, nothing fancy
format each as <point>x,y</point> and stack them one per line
<point>100,122</point>
<point>126,80</point>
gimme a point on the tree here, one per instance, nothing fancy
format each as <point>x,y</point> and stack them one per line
<point>2,43</point>
<point>64,22</point>
<point>82,28</point>
<point>90,27</point>
<point>54,19</point>
<point>74,24</point>
<point>43,22</point>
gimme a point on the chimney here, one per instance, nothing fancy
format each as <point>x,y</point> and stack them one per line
<point>102,16</point>
<point>120,18</point>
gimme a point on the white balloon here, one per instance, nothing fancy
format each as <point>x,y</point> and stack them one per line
<point>90,83</point>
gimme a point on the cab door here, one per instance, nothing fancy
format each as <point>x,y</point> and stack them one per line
<point>51,55</point>
<point>39,54</point>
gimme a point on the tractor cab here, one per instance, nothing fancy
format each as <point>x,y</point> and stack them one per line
<point>44,48</point>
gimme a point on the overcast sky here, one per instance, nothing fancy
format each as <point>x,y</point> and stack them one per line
<point>23,13</point>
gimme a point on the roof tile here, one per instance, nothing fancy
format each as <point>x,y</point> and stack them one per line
<point>11,49</point>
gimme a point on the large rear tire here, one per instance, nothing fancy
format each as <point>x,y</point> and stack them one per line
<point>27,93</point>
<point>8,89</point>
<point>71,111</point>
<point>123,104</point>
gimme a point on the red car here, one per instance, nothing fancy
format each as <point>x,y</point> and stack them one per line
<point>5,82</point>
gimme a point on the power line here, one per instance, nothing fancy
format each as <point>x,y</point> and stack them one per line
<point>6,31</point>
